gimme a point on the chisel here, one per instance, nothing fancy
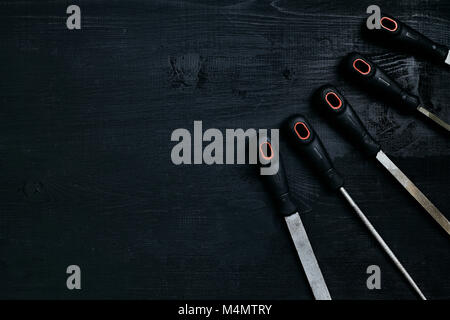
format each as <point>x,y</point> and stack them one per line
<point>305,139</point>
<point>336,107</point>
<point>401,35</point>
<point>374,78</point>
<point>278,186</point>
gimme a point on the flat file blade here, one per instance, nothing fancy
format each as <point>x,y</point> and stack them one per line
<point>434,117</point>
<point>307,257</point>
<point>414,191</point>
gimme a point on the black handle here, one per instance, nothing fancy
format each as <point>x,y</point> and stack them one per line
<point>334,105</point>
<point>304,138</point>
<point>367,73</point>
<point>403,35</point>
<point>277,183</point>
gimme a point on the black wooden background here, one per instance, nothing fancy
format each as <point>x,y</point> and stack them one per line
<point>85,123</point>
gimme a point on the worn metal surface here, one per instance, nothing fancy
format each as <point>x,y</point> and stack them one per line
<point>307,257</point>
<point>434,117</point>
<point>414,191</point>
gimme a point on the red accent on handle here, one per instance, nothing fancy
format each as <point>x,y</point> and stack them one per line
<point>302,137</point>
<point>387,26</point>
<point>362,64</point>
<point>333,97</point>
<point>269,148</point>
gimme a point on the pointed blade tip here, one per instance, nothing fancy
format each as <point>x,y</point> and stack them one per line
<point>429,207</point>
<point>447,60</point>
<point>433,117</point>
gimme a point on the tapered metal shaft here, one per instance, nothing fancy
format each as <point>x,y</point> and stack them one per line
<point>382,243</point>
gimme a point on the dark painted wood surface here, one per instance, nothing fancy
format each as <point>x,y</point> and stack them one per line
<point>85,124</point>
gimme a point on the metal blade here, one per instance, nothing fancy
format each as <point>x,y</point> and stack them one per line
<point>307,257</point>
<point>414,191</point>
<point>381,242</point>
<point>447,60</point>
<point>434,117</point>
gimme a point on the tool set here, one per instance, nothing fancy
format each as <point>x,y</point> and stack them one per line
<point>340,113</point>
<point>306,140</point>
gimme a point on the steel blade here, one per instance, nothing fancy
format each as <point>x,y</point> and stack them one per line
<point>414,191</point>
<point>447,61</point>
<point>434,117</point>
<point>307,257</point>
<point>381,242</point>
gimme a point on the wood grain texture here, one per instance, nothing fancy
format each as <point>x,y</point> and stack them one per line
<point>86,118</point>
